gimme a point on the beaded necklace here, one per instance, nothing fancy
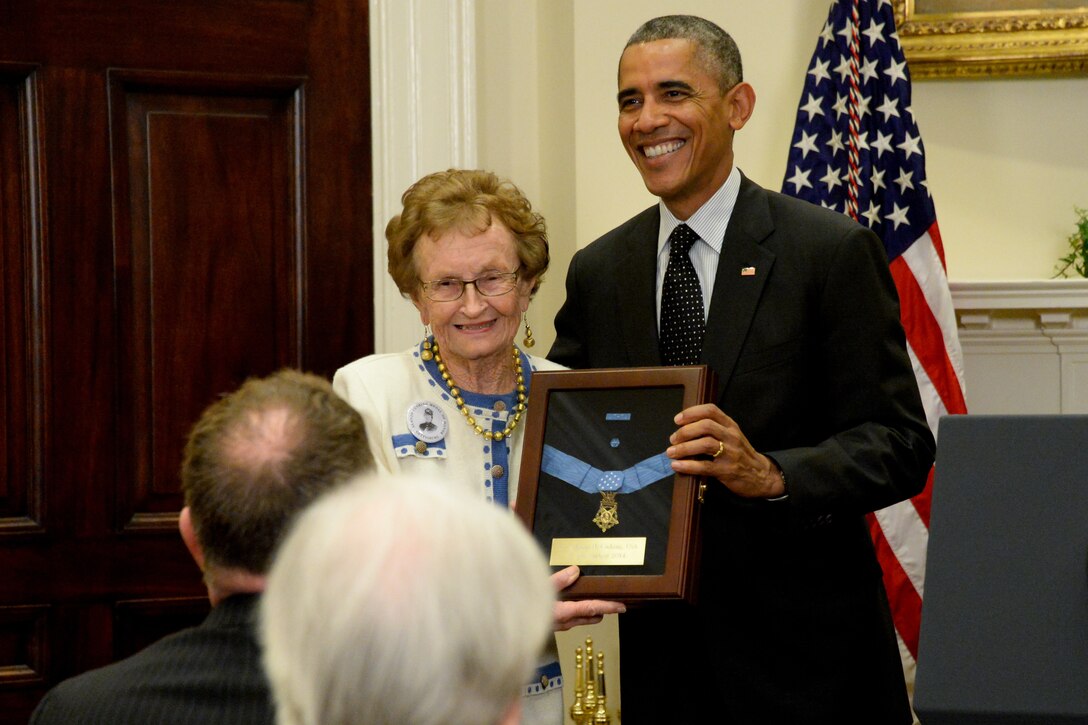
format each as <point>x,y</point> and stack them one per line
<point>455,393</point>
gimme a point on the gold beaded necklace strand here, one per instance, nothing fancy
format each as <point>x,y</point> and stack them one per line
<point>455,393</point>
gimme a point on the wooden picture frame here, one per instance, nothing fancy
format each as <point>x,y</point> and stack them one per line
<point>586,431</point>
<point>987,38</point>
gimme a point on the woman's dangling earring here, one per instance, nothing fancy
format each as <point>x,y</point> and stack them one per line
<point>528,341</point>
<point>427,355</point>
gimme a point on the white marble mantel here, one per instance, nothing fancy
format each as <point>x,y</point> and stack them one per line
<point>1025,345</point>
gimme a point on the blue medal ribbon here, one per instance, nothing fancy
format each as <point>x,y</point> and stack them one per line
<point>580,474</point>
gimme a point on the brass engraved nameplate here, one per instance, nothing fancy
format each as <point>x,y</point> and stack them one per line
<point>622,551</point>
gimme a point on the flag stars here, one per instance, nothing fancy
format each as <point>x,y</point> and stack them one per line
<point>819,71</point>
<point>843,69</point>
<point>898,216</point>
<point>827,35</point>
<point>890,107</point>
<point>873,214</point>
<point>863,106</point>
<point>856,108</point>
<point>896,71</point>
<point>799,179</point>
<point>878,180</point>
<point>883,143</point>
<point>835,142</point>
<point>868,70</point>
<point>812,108</point>
<point>832,178</point>
<point>910,145</point>
<point>840,105</point>
<point>904,181</point>
<point>875,32</point>
<point>807,144</point>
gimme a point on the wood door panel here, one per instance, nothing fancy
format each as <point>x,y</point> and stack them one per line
<point>137,565</point>
<point>165,232</point>
<point>242,35</point>
<point>23,645</point>
<point>338,286</point>
<point>24,659</point>
<point>20,322</point>
<point>207,259</point>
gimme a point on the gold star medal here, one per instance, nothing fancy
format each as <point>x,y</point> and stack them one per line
<point>608,513</point>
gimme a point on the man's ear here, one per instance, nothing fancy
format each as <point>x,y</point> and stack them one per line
<point>743,101</point>
<point>188,535</point>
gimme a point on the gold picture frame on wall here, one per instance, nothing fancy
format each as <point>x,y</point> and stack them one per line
<point>985,38</point>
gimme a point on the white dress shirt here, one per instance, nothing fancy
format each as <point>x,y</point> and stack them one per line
<point>709,222</point>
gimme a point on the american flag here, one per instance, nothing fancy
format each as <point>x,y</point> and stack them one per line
<point>856,149</point>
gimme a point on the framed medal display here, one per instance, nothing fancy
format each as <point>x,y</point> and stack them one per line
<point>596,488</point>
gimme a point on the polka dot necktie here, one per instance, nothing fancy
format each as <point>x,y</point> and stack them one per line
<point>682,324</point>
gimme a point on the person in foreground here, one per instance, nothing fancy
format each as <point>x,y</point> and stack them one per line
<point>817,419</point>
<point>404,602</point>
<point>254,459</point>
<point>469,252</point>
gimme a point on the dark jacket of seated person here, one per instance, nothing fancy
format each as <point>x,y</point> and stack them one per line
<point>280,441</point>
<point>205,674</point>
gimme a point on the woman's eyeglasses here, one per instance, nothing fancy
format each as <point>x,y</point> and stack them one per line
<point>489,284</point>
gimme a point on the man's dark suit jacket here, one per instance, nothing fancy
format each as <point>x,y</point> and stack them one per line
<point>206,674</point>
<point>792,624</point>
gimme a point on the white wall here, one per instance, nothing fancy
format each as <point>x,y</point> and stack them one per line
<point>525,64</point>
<point>1007,158</point>
<point>1007,161</point>
<point>775,47</point>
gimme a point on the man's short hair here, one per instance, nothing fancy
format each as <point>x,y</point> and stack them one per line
<point>715,48</point>
<point>259,455</point>
<point>402,601</point>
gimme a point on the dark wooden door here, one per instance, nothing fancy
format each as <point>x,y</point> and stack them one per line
<point>184,201</point>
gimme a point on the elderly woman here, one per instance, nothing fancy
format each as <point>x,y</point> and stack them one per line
<point>469,252</point>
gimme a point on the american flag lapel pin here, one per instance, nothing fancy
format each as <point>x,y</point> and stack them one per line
<point>747,271</point>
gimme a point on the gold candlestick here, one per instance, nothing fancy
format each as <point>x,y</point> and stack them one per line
<point>577,712</point>
<point>590,705</point>
<point>600,717</point>
<point>590,702</point>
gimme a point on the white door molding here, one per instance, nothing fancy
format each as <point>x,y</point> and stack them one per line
<point>423,119</point>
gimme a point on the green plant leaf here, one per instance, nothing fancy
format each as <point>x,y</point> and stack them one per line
<point>1077,258</point>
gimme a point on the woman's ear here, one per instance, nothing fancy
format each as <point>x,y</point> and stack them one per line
<point>525,292</point>
<point>421,305</point>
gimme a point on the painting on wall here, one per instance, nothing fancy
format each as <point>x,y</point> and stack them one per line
<point>986,38</point>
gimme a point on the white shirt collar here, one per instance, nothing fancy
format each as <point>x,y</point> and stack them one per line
<point>710,220</point>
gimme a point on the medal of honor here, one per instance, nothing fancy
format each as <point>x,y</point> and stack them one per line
<point>610,484</point>
<point>608,514</point>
